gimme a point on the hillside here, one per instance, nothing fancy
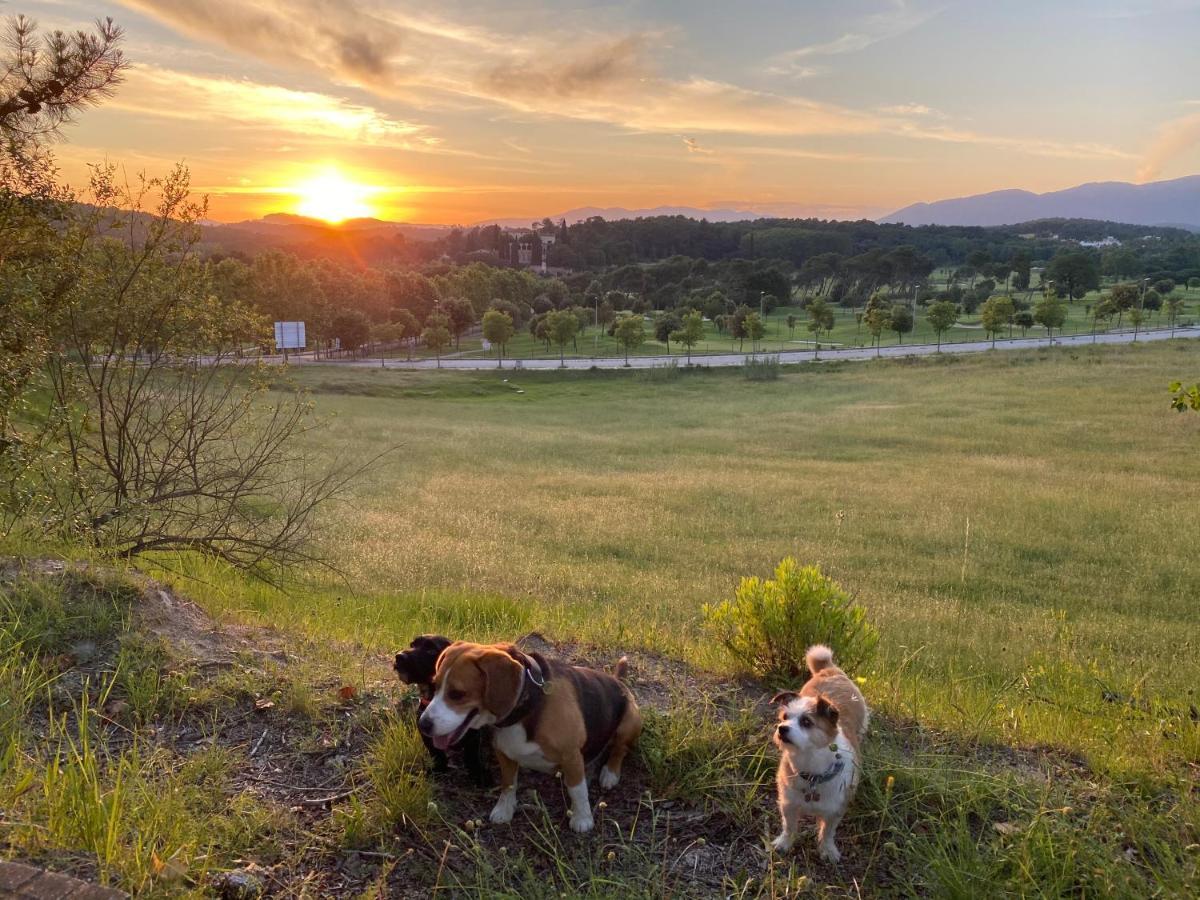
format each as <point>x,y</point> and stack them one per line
<point>1175,202</point>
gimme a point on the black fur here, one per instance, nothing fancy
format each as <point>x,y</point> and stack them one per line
<point>416,666</point>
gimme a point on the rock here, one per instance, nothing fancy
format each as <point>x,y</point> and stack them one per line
<point>239,884</point>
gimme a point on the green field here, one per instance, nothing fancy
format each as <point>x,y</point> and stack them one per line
<point>847,332</point>
<point>1020,527</point>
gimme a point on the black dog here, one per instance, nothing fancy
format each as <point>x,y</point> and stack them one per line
<point>416,666</point>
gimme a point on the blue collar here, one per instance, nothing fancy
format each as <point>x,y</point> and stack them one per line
<point>828,775</point>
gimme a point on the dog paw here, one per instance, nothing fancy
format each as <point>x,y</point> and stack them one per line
<point>830,853</point>
<point>609,778</point>
<point>502,812</point>
<point>783,843</point>
<point>582,823</point>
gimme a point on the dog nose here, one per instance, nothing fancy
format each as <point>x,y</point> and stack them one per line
<point>783,730</point>
<point>424,725</point>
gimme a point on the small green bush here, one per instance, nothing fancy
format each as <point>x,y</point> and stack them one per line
<point>769,624</point>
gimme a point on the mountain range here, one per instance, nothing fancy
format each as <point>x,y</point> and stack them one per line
<point>1175,202</point>
<point>613,213</point>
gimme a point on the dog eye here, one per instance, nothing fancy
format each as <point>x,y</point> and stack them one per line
<point>455,695</point>
<point>805,722</point>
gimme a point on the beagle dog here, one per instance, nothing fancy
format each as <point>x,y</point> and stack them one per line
<point>548,716</point>
<point>416,666</point>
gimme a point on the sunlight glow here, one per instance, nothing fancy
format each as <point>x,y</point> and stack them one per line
<point>333,197</point>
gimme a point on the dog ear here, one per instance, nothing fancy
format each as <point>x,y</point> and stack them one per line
<point>784,697</point>
<point>827,710</point>
<point>501,681</point>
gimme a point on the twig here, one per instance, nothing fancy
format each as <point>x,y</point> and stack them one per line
<point>321,801</point>
<point>258,743</point>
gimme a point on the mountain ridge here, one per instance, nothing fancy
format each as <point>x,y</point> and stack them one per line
<point>1172,202</point>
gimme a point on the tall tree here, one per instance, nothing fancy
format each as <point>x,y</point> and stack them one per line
<point>1074,273</point>
<point>460,313</point>
<point>900,320</point>
<point>1050,312</point>
<point>755,328</point>
<point>630,332</point>
<point>996,315</point>
<point>877,317</point>
<point>498,329</point>
<point>437,335</point>
<point>562,326</point>
<point>690,332</point>
<point>941,317</point>
<point>820,319</point>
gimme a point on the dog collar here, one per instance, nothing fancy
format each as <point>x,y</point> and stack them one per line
<point>829,774</point>
<point>533,689</point>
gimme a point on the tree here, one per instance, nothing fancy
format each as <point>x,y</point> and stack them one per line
<point>1021,268</point>
<point>437,335</point>
<point>820,319</point>
<point>1050,312</point>
<point>1074,273</point>
<point>460,314</point>
<point>352,329</point>
<point>1174,306</point>
<point>153,443</point>
<point>791,324</point>
<point>498,329</point>
<point>47,80</point>
<point>900,321</point>
<point>1103,311</point>
<point>1023,320</point>
<point>1125,297</point>
<point>690,332</point>
<point>665,324</point>
<point>1136,317</point>
<point>755,329</point>
<point>877,317</point>
<point>562,326</point>
<point>1184,398</point>
<point>630,332</point>
<point>996,315</point>
<point>941,317</point>
<point>737,324</point>
<point>407,326</point>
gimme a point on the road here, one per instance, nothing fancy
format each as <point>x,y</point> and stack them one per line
<point>738,359</point>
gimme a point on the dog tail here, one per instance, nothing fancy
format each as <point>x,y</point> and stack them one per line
<point>818,657</point>
<point>621,668</point>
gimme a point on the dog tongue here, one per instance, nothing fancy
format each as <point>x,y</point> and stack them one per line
<point>442,741</point>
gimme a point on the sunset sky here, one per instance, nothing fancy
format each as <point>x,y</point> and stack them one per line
<point>456,112</point>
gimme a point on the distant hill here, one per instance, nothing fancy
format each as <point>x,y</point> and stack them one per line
<point>1175,202</point>
<point>615,213</point>
<point>302,228</point>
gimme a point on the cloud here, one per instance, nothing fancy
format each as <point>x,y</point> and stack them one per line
<point>569,73</point>
<point>1174,138</point>
<point>912,109</point>
<point>693,147</point>
<point>155,91</point>
<point>869,30</point>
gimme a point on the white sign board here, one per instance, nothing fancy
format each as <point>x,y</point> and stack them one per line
<point>290,336</point>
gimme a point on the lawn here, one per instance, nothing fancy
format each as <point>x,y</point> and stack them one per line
<point>1018,526</point>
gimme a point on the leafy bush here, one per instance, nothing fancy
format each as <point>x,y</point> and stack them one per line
<point>769,624</point>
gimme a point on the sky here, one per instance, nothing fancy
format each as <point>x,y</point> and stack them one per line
<point>458,112</point>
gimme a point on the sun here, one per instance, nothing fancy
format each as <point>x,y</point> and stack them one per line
<point>333,197</point>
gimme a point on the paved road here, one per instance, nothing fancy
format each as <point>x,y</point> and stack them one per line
<point>737,359</point>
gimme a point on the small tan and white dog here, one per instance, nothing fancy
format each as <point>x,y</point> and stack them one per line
<point>819,733</point>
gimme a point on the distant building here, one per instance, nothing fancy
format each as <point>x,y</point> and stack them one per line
<point>531,249</point>
<point>1109,241</point>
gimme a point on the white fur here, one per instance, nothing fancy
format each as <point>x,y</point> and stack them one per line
<point>581,808</point>
<point>514,743</point>
<point>443,719</point>
<point>506,805</point>
<point>608,778</point>
<point>808,750</point>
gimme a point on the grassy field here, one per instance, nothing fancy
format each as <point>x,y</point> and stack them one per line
<point>847,332</point>
<point>1020,528</point>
